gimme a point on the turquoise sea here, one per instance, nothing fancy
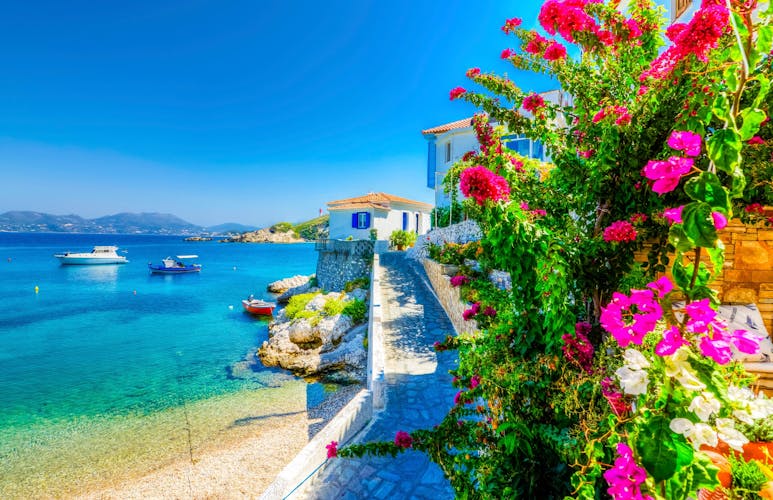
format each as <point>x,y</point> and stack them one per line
<point>108,372</point>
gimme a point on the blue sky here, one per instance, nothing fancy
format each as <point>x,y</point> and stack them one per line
<point>233,111</point>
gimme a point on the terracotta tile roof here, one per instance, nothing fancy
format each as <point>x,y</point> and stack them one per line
<point>374,200</point>
<point>440,129</point>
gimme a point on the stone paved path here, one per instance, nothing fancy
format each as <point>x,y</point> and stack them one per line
<point>418,395</point>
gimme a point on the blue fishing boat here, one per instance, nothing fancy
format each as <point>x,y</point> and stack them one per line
<point>175,265</point>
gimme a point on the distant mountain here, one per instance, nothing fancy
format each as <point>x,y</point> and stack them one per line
<point>230,227</point>
<point>124,223</point>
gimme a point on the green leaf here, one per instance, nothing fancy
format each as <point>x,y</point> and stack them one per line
<point>699,225</point>
<point>731,73</point>
<point>764,42</point>
<point>752,118</point>
<point>721,108</point>
<point>738,183</point>
<point>724,148</point>
<point>717,256</point>
<point>681,277</point>
<point>679,239</point>
<point>764,89</point>
<point>656,447</point>
<point>707,188</point>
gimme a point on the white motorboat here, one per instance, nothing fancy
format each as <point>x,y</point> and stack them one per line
<point>99,255</point>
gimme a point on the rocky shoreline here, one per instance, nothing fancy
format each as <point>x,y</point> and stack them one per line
<point>319,336</point>
<point>265,235</point>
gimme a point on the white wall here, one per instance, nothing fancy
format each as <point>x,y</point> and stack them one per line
<point>461,140</point>
<point>381,220</point>
<point>340,225</point>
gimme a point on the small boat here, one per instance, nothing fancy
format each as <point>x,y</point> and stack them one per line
<point>258,306</point>
<point>175,265</point>
<point>99,255</point>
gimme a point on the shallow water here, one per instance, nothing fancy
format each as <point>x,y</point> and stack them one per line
<point>109,372</point>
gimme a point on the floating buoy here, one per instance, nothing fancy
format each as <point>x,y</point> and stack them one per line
<point>37,289</point>
<point>234,268</point>
<point>231,308</point>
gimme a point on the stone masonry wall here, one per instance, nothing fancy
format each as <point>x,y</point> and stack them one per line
<point>747,277</point>
<point>341,261</point>
<point>449,297</point>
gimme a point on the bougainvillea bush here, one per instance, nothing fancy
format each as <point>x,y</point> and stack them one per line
<point>597,376</point>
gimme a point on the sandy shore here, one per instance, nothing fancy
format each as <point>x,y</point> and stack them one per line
<point>242,469</point>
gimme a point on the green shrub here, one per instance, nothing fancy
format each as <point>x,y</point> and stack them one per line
<point>355,309</point>
<point>363,283</point>
<point>298,303</point>
<point>748,478</point>
<point>281,227</point>
<point>333,307</point>
<point>402,238</point>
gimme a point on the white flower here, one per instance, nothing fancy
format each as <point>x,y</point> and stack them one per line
<point>632,381</point>
<point>679,368</point>
<point>698,434</point>
<point>681,426</point>
<point>704,405</point>
<point>739,394</point>
<point>635,360</point>
<point>703,434</point>
<point>761,407</point>
<point>743,416</point>
<point>729,434</point>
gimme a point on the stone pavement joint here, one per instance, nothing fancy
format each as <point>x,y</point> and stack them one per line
<point>418,395</point>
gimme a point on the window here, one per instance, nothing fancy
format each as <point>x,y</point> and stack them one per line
<point>448,152</point>
<point>361,220</point>
<point>405,221</point>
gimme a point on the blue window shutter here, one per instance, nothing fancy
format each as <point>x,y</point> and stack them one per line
<point>367,220</point>
<point>405,221</point>
<point>354,220</point>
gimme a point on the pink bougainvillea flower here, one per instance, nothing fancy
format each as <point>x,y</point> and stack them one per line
<point>490,312</point>
<point>756,140</point>
<point>332,449</point>
<point>517,164</point>
<point>701,315</point>
<point>456,92</point>
<point>474,381</point>
<point>459,280</point>
<point>625,476</point>
<point>667,174</point>
<point>643,89</point>
<point>507,54</point>
<point>511,24</point>
<point>403,439</point>
<point>606,37</point>
<point>615,397</point>
<point>674,215</point>
<point>602,113</point>
<point>720,221</point>
<point>638,218</point>
<point>673,31</point>
<point>554,52</point>
<point>662,285</point>
<point>686,141</point>
<point>533,103</point>
<point>754,208</point>
<point>629,319</point>
<point>468,314</point>
<point>634,31</point>
<point>746,341</point>
<point>620,231</point>
<point>482,184</point>
<point>585,153</point>
<point>473,72</point>
<point>536,45</point>
<point>524,206</point>
<point>540,212</point>
<point>671,342</point>
<point>716,347</point>
<point>578,349</point>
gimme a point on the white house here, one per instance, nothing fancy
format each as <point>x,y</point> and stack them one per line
<point>356,217</point>
<point>449,142</point>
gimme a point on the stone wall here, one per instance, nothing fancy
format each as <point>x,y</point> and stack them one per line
<point>747,277</point>
<point>449,297</point>
<point>341,261</point>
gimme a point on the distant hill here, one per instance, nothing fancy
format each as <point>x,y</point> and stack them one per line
<point>230,227</point>
<point>123,223</point>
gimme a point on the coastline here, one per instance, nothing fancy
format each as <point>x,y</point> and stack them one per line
<point>242,467</point>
